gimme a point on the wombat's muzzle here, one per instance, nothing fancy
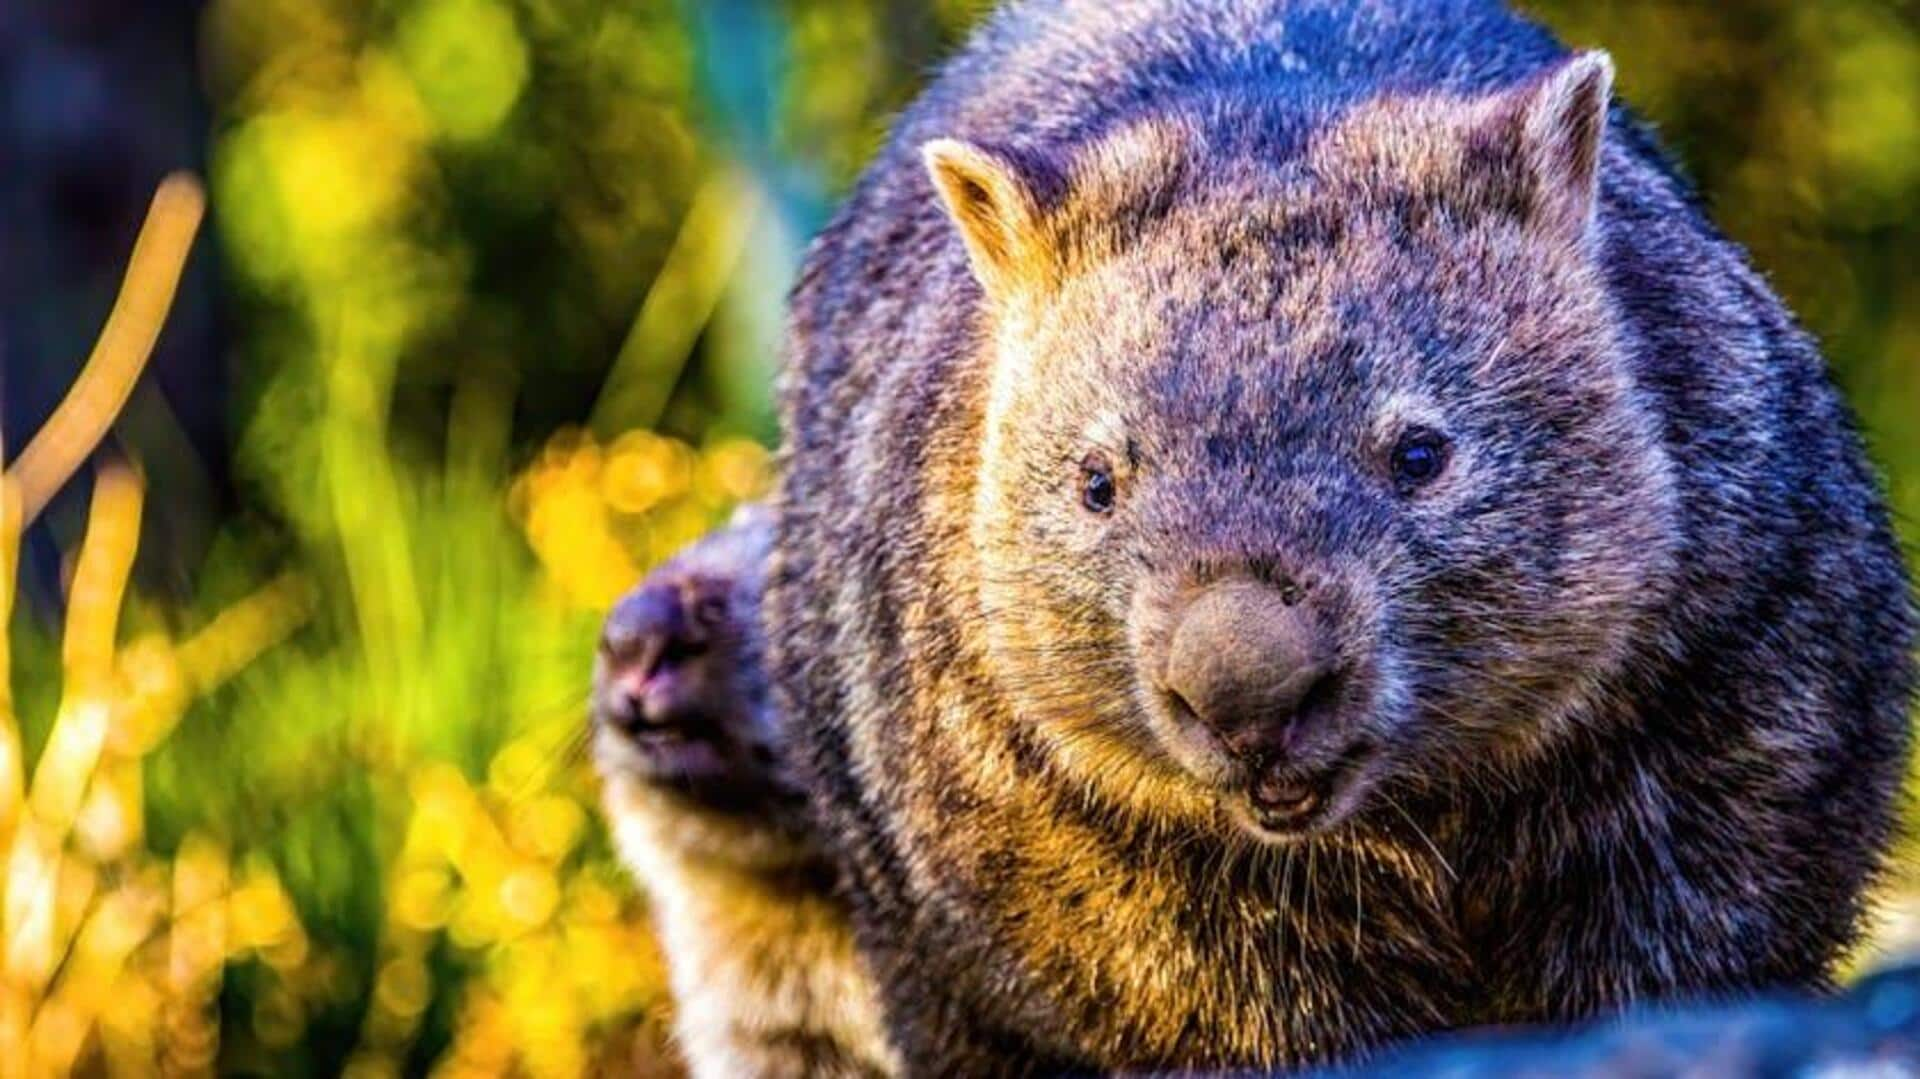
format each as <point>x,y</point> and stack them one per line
<point>653,641</point>
<point>1256,666</point>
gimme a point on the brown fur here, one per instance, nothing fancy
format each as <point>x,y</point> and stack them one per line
<point>1609,740</point>
<point>765,977</point>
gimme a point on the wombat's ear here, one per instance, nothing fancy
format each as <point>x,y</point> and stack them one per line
<point>1562,132</point>
<point>994,207</point>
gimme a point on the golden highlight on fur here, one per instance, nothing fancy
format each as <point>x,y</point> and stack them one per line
<point>707,816</point>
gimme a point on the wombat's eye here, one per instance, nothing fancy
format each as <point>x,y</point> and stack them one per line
<point>1418,457</point>
<point>1096,483</point>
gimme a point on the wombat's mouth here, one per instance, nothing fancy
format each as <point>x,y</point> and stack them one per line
<point>671,753</point>
<point>693,755</point>
<point>1280,801</point>
<point>713,773</point>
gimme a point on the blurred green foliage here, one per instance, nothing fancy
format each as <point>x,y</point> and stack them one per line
<point>507,277</point>
<point>1801,125</point>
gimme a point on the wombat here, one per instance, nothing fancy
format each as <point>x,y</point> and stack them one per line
<point>1295,531</point>
<point>710,819</point>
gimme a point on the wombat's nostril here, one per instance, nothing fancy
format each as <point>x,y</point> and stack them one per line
<point>1249,665</point>
<point>1181,706</point>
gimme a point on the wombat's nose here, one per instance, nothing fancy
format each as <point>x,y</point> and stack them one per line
<point>648,638</point>
<point>1250,664</point>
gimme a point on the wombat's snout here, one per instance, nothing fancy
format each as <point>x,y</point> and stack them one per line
<point>1251,663</point>
<point>650,650</point>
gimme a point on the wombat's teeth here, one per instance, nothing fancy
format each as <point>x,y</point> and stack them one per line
<point>1273,792</point>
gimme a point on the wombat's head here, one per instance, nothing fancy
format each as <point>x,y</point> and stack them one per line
<point>1312,469</point>
<point>680,700</point>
